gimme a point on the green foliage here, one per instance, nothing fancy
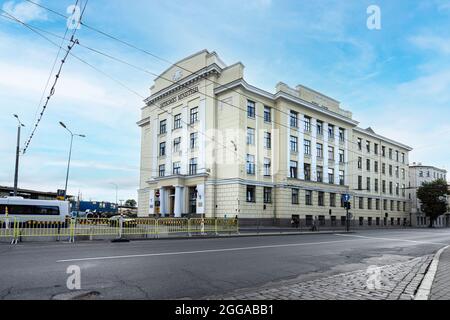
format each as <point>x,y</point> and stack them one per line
<point>130,203</point>
<point>433,197</point>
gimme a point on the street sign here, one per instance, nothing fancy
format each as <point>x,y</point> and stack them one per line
<point>346,197</point>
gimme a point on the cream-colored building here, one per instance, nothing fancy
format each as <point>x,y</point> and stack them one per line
<point>214,145</point>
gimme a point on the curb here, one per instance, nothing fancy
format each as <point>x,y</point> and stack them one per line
<point>423,293</point>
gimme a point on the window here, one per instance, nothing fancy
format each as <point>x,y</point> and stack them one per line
<point>369,221</point>
<point>250,109</point>
<point>331,153</point>
<point>307,144</point>
<point>361,221</point>
<point>390,170</point>
<point>319,127</point>
<point>368,184</point>
<point>383,186</point>
<point>193,166</point>
<point>293,169</point>
<point>294,196</point>
<point>375,148</point>
<point>359,163</point>
<point>390,153</point>
<point>403,190</point>
<point>383,151</point>
<point>397,172</point>
<point>369,203</point>
<point>294,119</point>
<point>176,168</point>
<point>250,136</point>
<point>377,204</point>
<point>403,157</point>
<point>383,168</point>
<point>193,140</point>
<point>375,166</point>
<point>368,146</point>
<point>332,199</point>
<point>162,126</point>
<point>250,164</point>
<point>308,197</point>
<point>321,198</point>
<point>162,149</point>
<point>341,177</point>
<point>176,144</point>
<point>359,182</point>
<point>177,121</point>
<point>307,171</point>
<point>341,156</point>
<point>319,148</point>
<point>193,115</point>
<point>361,202</point>
<point>330,175</point>
<point>319,174</point>
<point>330,132</point>
<point>376,185</point>
<point>397,158</point>
<point>392,205</point>
<point>267,140</point>
<point>421,174</point>
<point>384,204</point>
<point>251,194</point>
<point>390,187</point>
<point>294,143</point>
<point>307,124</point>
<point>267,195</point>
<point>397,189</point>
<point>341,134</point>
<point>162,170</point>
<point>359,142</point>
<point>368,164</point>
<point>266,166</point>
<point>267,114</point>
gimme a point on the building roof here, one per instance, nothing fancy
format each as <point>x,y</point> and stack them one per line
<point>369,131</point>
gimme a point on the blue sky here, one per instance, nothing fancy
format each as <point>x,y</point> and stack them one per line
<point>396,80</point>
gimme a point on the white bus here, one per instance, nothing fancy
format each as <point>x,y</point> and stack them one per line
<point>33,210</point>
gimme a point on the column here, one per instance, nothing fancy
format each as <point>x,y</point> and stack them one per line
<point>301,146</point>
<point>162,202</point>
<point>201,164</point>
<point>155,148</point>
<point>179,200</point>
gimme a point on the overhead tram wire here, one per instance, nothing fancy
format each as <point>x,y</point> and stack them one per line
<point>112,78</point>
<point>377,158</point>
<point>181,67</point>
<point>57,75</point>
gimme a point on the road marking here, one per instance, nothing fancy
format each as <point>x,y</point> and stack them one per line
<point>203,251</point>
<point>391,239</point>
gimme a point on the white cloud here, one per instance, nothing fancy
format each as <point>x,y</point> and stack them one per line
<point>25,11</point>
<point>434,43</point>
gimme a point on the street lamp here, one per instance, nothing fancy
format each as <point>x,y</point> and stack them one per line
<point>70,153</point>
<point>117,188</point>
<point>16,171</point>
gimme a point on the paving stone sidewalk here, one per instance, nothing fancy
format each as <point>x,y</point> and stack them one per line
<point>440,289</point>
<point>398,281</point>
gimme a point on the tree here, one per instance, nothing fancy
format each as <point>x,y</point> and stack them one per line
<point>130,203</point>
<point>433,197</point>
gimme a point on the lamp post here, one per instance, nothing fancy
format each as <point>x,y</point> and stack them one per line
<point>70,153</point>
<point>16,171</point>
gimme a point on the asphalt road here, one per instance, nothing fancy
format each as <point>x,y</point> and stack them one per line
<point>194,268</point>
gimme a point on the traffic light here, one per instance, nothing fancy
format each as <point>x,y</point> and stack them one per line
<point>347,205</point>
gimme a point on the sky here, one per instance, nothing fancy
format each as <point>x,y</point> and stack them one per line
<point>395,79</point>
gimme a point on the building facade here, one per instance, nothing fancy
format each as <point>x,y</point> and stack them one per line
<point>214,145</point>
<point>418,175</point>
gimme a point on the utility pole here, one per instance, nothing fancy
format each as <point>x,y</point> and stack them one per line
<point>16,171</point>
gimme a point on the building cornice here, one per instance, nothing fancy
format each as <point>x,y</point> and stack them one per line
<point>374,135</point>
<point>282,95</point>
<point>143,122</point>
<point>183,83</point>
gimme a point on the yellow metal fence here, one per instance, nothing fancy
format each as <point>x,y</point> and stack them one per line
<point>71,229</point>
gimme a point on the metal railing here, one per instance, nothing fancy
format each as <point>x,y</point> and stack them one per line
<point>17,229</point>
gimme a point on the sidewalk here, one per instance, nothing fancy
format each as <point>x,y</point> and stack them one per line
<point>440,289</point>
